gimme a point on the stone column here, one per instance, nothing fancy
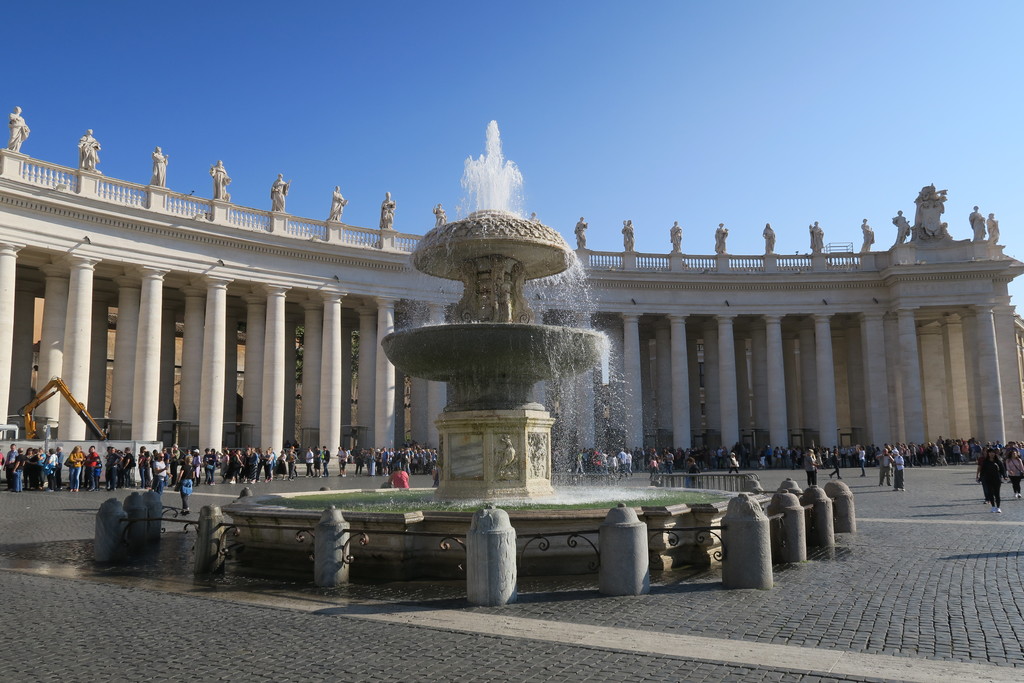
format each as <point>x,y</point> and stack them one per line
<point>125,346</point>
<point>255,337</point>
<point>1010,378</point>
<point>970,330</point>
<point>759,376</point>
<point>8,269</point>
<point>876,389</point>
<point>77,343</point>
<point>169,362</point>
<point>51,343</point>
<point>663,383</point>
<point>991,414</point>
<point>211,395</point>
<point>648,405</point>
<point>633,400</point>
<point>775,367</point>
<point>192,355</point>
<point>290,358</point>
<point>146,401</point>
<point>230,366</point>
<point>312,359</point>
<point>367,381</point>
<point>22,352</point>
<point>96,401</point>
<point>858,399</point>
<point>956,391</point>
<point>727,381</point>
<point>346,371</point>
<point>809,381</point>
<point>910,376</point>
<point>893,374</point>
<point>274,369</point>
<point>384,417</point>
<point>794,385</point>
<point>418,410</point>
<point>712,392</point>
<point>825,371</point>
<point>331,372</point>
<point>693,366</point>
<point>935,383</point>
<point>681,429</point>
<point>436,391</point>
<point>743,413</point>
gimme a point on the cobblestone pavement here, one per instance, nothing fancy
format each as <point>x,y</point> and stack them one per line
<point>930,576</point>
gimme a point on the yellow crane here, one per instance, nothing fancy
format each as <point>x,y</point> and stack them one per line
<point>54,386</point>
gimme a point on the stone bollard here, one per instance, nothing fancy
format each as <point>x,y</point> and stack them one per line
<point>245,492</point>
<point>793,545</point>
<point>138,533</point>
<point>491,558</point>
<point>210,541</point>
<point>746,545</point>
<point>625,564</point>
<point>844,513</point>
<point>792,487</point>
<point>752,484</point>
<point>329,566</point>
<point>108,545</point>
<point>822,535</point>
<point>154,511</point>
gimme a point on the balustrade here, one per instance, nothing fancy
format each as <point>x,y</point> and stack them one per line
<point>122,193</point>
<point>790,263</point>
<point>249,218</point>
<point>307,229</point>
<point>186,205</point>
<point>746,264</point>
<point>651,262</point>
<point>605,261</point>
<point>842,262</point>
<point>699,262</point>
<point>48,175</point>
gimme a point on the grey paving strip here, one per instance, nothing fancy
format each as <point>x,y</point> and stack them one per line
<point>721,650</point>
<point>918,520</point>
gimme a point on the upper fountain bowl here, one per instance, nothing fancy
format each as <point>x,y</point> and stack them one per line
<point>443,250</point>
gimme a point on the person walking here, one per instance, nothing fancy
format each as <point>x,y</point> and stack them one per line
<point>1015,471</point>
<point>185,483</point>
<point>991,474</point>
<point>862,459</point>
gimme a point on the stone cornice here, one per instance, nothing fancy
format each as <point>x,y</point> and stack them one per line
<point>397,262</point>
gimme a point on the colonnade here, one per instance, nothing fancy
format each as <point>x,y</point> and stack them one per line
<point>818,378</point>
<point>145,361</point>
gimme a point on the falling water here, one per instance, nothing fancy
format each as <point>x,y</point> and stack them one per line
<point>491,181</point>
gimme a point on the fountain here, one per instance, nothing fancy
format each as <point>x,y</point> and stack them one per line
<point>495,441</point>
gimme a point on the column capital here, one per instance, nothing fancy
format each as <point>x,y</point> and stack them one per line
<point>675,319</point>
<point>9,248</point>
<point>822,317</point>
<point>385,302</point>
<point>332,295</point>
<point>213,283</point>
<point>871,315</point>
<point>725,318</point>
<point>630,317</point>
<point>255,299</point>
<point>191,291</point>
<point>152,273</point>
<point>772,319</point>
<point>81,262</point>
<point>127,281</point>
<point>55,270</point>
<point>275,290</point>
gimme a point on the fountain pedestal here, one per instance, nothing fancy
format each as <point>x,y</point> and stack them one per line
<point>516,450</point>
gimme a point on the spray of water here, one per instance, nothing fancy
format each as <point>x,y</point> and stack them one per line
<point>491,181</point>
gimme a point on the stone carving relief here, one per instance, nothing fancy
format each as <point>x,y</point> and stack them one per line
<point>506,459</point>
<point>928,223</point>
<point>493,291</point>
<point>539,458</point>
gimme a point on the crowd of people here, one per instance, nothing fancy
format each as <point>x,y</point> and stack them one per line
<point>37,469</point>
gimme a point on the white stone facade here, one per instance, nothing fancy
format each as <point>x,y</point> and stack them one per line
<point>908,344</point>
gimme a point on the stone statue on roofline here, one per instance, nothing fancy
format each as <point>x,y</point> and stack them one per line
<point>19,130</point>
<point>869,237</point>
<point>769,239</point>
<point>993,228</point>
<point>220,181</point>
<point>928,225</point>
<point>721,235</point>
<point>387,212</point>
<point>581,234</point>
<point>977,225</point>
<point>338,204</point>
<point>278,192</point>
<point>817,238</point>
<point>903,228</point>
<point>675,235</point>
<point>628,239</point>
<point>88,152</point>
<point>159,178</point>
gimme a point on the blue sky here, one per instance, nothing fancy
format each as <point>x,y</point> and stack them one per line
<point>700,112</point>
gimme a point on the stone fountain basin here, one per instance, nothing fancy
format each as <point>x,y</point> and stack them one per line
<point>522,352</point>
<point>407,545</point>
